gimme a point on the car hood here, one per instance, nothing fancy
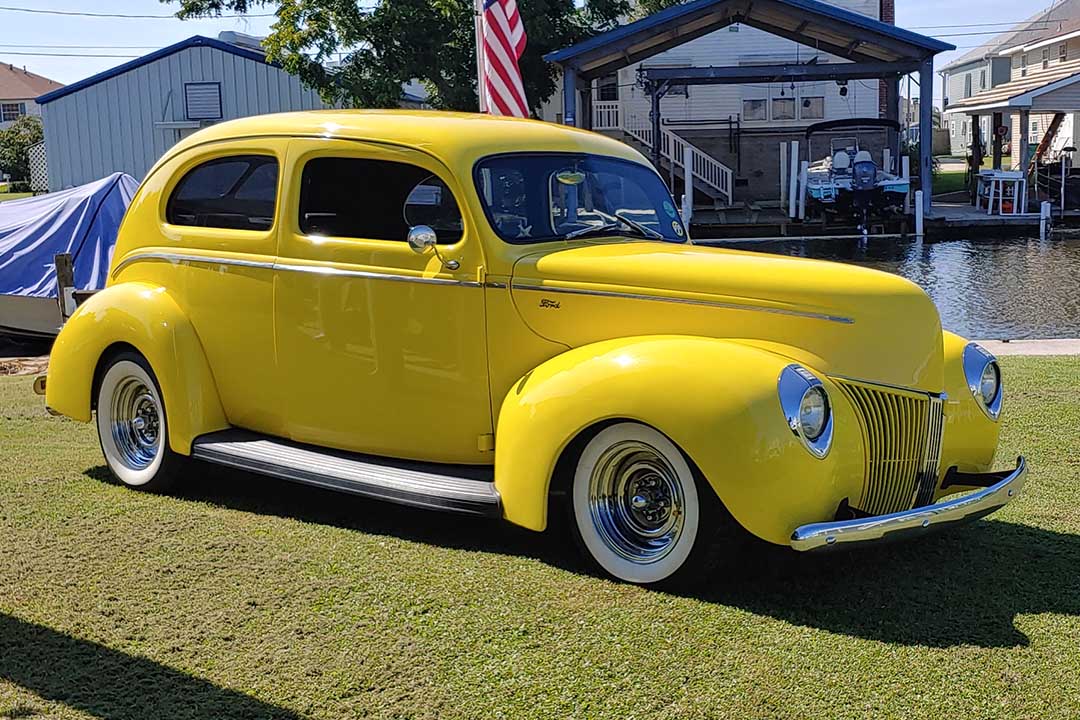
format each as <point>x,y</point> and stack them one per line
<point>840,319</point>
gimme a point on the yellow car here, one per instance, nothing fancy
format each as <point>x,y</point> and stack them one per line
<point>504,318</point>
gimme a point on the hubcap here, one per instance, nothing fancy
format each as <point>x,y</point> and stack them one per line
<point>636,502</point>
<point>136,423</point>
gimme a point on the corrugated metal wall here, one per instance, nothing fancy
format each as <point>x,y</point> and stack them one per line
<point>111,126</point>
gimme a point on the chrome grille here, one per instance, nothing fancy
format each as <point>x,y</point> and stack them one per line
<point>902,433</point>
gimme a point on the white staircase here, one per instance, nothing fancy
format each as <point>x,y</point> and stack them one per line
<point>708,174</point>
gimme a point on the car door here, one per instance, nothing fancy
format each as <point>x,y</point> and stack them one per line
<point>382,349</point>
<point>219,240</point>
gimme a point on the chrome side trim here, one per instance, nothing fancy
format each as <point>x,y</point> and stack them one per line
<point>369,275</point>
<point>681,301</point>
<point>828,535</point>
<point>177,258</point>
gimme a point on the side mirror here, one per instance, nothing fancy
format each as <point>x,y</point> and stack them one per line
<point>421,238</point>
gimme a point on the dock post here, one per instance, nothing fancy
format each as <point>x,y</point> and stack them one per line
<point>793,180</point>
<point>783,174</point>
<point>803,171</point>
<point>687,209</point>
<point>918,214</point>
<point>905,165</point>
<point>1044,219</point>
<point>886,158</point>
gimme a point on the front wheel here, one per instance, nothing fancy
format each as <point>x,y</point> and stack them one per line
<point>638,510</point>
<point>132,425</point>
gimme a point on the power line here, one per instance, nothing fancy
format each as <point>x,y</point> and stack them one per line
<point>70,55</point>
<point>993,24</point>
<point>40,46</point>
<point>123,16</point>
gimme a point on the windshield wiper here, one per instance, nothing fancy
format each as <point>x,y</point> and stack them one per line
<point>605,228</point>
<point>616,221</point>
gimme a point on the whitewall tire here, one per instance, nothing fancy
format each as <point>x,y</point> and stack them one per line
<point>636,506</point>
<point>132,425</point>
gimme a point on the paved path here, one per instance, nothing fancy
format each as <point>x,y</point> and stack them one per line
<point>1032,347</point>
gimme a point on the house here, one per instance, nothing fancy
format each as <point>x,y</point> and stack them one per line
<point>1041,92</point>
<point>125,118</point>
<point>795,54</point>
<point>989,65</point>
<point>18,89</point>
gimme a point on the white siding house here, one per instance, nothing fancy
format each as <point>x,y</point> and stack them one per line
<point>124,119</point>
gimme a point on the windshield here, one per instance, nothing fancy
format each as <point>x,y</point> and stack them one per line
<point>531,198</point>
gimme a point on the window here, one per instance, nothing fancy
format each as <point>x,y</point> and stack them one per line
<point>967,85</point>
<point>1045,57</point>
<point>783,108</point>
<point>1023,65</point>
<point>982,79</point>
<point>813,108</point>
<point>753,110</point>
<point>10,112</point>
<point>375,200</point>
<point>237,193</point>
<point>538,197</point>
<point>1063,52</point>
<point>607,88</point>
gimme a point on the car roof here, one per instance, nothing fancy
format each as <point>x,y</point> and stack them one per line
<point>458,139</point>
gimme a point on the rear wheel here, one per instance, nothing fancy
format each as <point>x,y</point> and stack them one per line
<point>639,511</point>
<point>132,425</point>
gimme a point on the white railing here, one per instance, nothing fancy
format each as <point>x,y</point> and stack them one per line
<point>706,168</point>
<point>606,115</point>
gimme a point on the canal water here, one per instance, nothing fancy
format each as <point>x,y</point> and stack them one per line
<point>988,289</point>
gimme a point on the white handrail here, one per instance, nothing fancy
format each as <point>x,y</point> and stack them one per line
<point>706,168</point>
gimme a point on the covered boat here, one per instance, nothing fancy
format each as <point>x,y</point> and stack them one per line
<point>82,221</point>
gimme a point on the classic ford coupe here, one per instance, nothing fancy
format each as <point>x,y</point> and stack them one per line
<point>506,318</point>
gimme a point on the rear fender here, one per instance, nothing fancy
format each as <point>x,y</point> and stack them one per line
<point>716,399</point>
<point>147,318</point>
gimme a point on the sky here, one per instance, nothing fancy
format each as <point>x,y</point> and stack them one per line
<point>40,34</point>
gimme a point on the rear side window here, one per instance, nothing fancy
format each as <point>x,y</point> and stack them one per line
<point>375,200</point>
<point>235,193</point>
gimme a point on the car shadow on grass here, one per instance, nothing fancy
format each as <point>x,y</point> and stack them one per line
<point>964,586</point>
<point>107,683</point>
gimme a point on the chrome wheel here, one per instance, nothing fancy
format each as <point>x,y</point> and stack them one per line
<point>636,501</point>
<point>135,423</point>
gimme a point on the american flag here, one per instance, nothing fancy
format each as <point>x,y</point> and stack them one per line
<point>500,42</point>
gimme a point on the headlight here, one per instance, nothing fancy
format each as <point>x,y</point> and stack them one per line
<point>983,378</point>
<point>813,412</point>
<point>806,407</point>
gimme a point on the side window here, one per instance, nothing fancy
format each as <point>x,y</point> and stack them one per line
<point>236,193</point>
<point>375,200</point>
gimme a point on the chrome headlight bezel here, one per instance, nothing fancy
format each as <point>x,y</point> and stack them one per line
<point>795,384</point>
<point>977,360</point>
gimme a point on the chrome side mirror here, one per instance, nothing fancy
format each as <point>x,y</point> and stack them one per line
<point>421,238</point>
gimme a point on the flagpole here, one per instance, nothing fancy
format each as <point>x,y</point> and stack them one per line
<point>478,12</point>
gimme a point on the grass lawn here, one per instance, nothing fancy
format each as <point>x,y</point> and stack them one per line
<point>245,597</point>
<point>949,181</point>
<point>4,196</point>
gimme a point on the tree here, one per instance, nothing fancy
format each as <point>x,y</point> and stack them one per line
<point>392,42</point>
<point>15,144</point>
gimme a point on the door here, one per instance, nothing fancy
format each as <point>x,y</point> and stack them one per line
<point>382,349</point>
<point>219,230</point>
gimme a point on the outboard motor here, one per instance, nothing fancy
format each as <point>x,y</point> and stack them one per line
<point>863,184</point>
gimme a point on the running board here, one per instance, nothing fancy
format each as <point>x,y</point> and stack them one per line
<point>465,489</point>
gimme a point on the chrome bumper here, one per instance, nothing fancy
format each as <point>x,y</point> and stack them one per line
<point>830,535</point>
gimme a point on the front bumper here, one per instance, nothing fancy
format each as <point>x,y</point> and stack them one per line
<point>998,489</point>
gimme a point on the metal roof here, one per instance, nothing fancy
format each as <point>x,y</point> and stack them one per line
<point>194,41</point>
<point>809,22</point>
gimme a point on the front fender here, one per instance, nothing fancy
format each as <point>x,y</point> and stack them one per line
<point>146,317</point>
<point>716,399</point>
<point>970,438</point>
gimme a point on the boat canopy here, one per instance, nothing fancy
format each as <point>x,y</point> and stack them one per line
<point>82,221</point>
<point>852,123</point>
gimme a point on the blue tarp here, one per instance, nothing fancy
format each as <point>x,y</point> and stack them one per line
<point>82,221</point>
